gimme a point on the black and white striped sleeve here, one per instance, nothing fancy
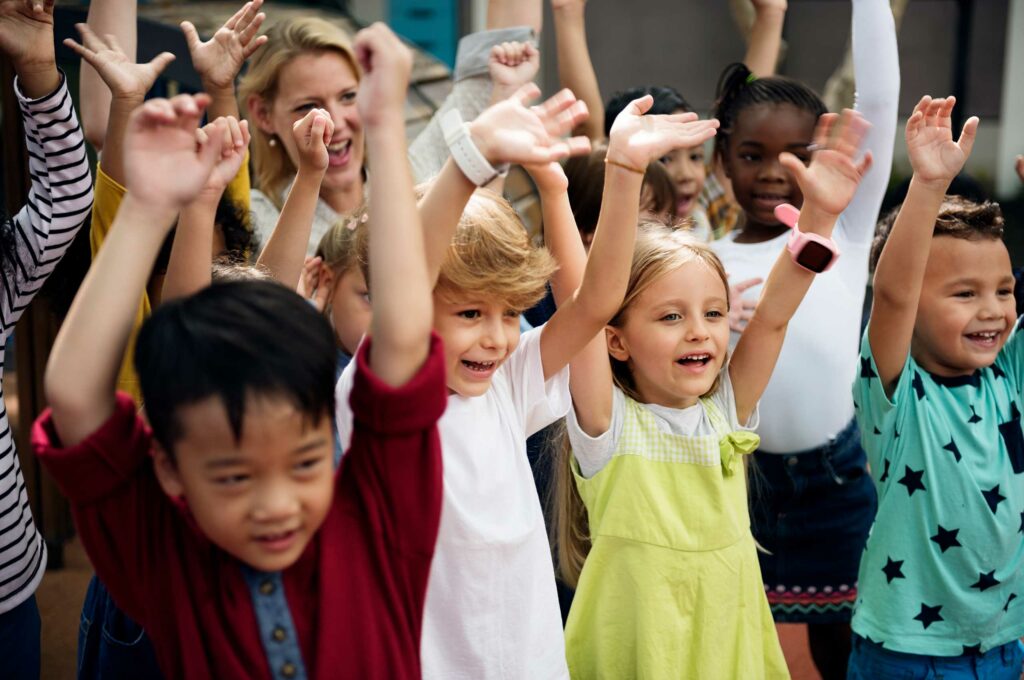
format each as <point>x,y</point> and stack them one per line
<point>59,200</point>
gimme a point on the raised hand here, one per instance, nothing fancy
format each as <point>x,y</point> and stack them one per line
<point>234,142</point>
<point>512,132</point>
<point>512,65</point>
<point>934,155</point>
<point>165,167</point>
<point>549,177</point>
<point>386,64</point>
<point>1020,167</point>
<point>312,135</point>
<point>123,76</point>
<point>26,31</point>
<point>635,139</point>
<point>741,309</point>
<point>832,177</point>
<point>219,59</point>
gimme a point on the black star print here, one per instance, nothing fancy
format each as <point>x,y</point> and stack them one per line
<point>993,498</point>
<point>1021,530</point>
<point>865,369</point>
<point>918,385</point>
<point>856,406</point>
<point>912,480</point>
<point>929,615</point>
<point>952,448</point>
<point>1006,607</point>
<point>893,569</point>
<point>1013,437</point>
<point>972,650</point>
<point>947,538</point>
<point>885,476</point>
<point>877,431</point>
<point>896,433</point>
<point>975,418</point>
<point>997,372</point>
<point>986,581</point>
<point>874,642</point>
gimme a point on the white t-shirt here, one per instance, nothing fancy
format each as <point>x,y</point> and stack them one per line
<point>593,453</point>
<point>492,608</point>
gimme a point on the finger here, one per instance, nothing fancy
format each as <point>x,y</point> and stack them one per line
<point>746,284</point>
<point>795,166</point>
<point>970,131</point>
<point>527,93</point>
<point>687,117</point>
<point>1020,167</point>
<point>328,127</point>
<point>931,117</point>
<point>852,132</point>
<point>922,105</point>
<point>156,112</point>
<point>639,107</point>
<point>530,51</point>
<point>498,53</point>
<point>89,38</point>
<point>824,129</point>
<point>945,117</point>
<point>316,130</point>
<point>191,35</point>
<point>81,50</point>
<point>235,132</point>
<point>914,124</point>
<point>161,61</point>
<point>249,13</point>
<point>578,145</point>
<point>237,16</point>
<point>114,43</point>
<point>202,135</point>
<point>555,104</point>
<point>251,48</point>
<point>865,163</point>
<point>251,28</point>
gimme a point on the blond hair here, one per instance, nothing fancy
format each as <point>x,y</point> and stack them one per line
<point>491,255</point>
<point>272,169</point>
<point>660,249</point>
<point>339,248</point>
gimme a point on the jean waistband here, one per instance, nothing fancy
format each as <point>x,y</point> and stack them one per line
<point>1004,650</point>
<point>845,435</point>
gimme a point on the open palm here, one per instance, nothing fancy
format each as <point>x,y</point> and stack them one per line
<point>122,75</point>
<point>219,59</point>
<point>512,132</point>
<point>637,139</point>
<point>934,155</point>
<point>26,35</point>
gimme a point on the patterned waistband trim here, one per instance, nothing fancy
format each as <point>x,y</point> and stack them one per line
<point>780,596</point>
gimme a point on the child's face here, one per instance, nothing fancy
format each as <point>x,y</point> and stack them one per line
<point>760,134</point>
<point>350,308</point>
<point>479,334</point>
<point>686,168</point>
<point>675,336</point>
<point>967,309</point>
<point>263,497</point>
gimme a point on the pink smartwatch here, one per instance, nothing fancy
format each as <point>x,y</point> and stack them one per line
<point>814,253</point>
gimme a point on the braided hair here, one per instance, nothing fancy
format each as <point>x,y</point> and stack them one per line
<point>739,89</point>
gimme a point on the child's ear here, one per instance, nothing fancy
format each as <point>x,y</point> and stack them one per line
<point>325,278</point>
<point>167,473</point>
<point>617,346</point>
<point>259,109</point>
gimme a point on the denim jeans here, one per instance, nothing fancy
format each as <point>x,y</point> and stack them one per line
<point>111,645</point>
<point>870,661</point>
<point>19,641</point>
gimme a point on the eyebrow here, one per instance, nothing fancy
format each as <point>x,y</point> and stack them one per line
<point>759,145</point>
<point>309,446</point>
<point>224,463</point>
<point>968,281</point>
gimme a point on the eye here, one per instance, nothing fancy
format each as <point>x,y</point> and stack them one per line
<point>348,97</point>
<point>697,157</point>
<point>229,481</point>
<point>512,313</point>
<point>750,157</point>
<point>714,314</point>
<point>469,313</point>
<point>1004,292</point>
<point>307,465</point>
<point>671,316</point>
<point>965,294</point>
<point>301,108</point>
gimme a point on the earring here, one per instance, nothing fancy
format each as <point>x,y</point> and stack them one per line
<point>273,141</point>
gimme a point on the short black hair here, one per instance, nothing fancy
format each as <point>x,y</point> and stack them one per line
<point>234,340</point>
<point>739,88</point>
<point>666,100</point>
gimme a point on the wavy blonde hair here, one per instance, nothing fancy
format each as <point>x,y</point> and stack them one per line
<point>272,169</point>
<point>660,249</point>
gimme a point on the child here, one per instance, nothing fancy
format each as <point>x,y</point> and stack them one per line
<point>938,397</point>
<point>814,509</point>
<point>661,414</point>
<point>492,611</point>
<point>235,544</point>
<point>32,242</point>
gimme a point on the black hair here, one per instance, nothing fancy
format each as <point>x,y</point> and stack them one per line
<point>666,100</point>
<point>234,223</point>
<point>234,340</point>
<point>739,89</point>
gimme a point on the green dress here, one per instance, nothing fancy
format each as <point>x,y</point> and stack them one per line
<point>672,587</point>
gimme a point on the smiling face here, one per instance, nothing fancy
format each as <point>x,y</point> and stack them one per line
<point>479,334</point>
<point>260,498</point>
<point>751,158</point>
<point>967,308</point>
<point>322,79</point>
<point>686,168</point>
<point>350,306</point>
<point>675,335</point>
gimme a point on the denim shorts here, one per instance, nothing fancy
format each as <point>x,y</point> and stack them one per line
<point>811,513</point>
<point>870,661</point>
<point>111,645</point>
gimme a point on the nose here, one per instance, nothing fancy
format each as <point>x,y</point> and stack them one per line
<point>273,501</point>
<point>697,329</point>
<point>343,116</point>
<point>772,171</point>
<point>494,334</point>
<point>990,308</point>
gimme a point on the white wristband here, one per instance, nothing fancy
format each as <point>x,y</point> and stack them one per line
<point>474,166</point>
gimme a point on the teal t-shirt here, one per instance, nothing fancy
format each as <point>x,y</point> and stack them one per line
<point>943,570</point>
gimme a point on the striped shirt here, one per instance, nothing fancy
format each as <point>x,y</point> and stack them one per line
<point>58,204</point>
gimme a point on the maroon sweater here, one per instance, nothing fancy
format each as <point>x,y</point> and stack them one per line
<point>356,594</point>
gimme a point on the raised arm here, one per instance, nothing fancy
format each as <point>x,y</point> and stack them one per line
<point>574,332</point>
<point>219,59</point>
<point>106,17</point>
<point>828,184</point>
<point>285,251</point>
<point>936,160</point>
<point>127,83</point>
<point>399,283</point>
<point>165,172</point>
<point>876,67</point>
<point>188,270</point>
<point>765,37</point>
<point>575,70</point>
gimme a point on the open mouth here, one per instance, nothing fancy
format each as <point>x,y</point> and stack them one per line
<point>685,204</point>
<point>339,153</point>
<point>768,201</point>
<point>696,361</point>
<point>481,367</point>
<point>278,541</point>
<point>984,339</point>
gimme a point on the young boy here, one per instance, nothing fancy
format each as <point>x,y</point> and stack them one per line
<point>938,398</point>
<point>224,530</point>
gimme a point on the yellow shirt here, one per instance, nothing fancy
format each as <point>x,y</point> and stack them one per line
<point>107,199</point>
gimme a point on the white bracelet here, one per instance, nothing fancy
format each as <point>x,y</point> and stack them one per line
<point>474,166</point>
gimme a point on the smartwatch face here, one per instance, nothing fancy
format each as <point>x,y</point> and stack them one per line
<point>814,256</point>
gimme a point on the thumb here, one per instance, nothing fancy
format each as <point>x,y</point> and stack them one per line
<point>161,61</point>
<point>210,152</point>
<point>191,35</point>
<point>744,285</point>
<point>967,136</point>
<point>642,105</point>
<point>795,166</point>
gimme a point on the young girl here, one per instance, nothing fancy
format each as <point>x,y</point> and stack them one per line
<point>661,415</point>
<point>814,509</point>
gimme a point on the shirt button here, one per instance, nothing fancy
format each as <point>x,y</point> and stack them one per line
<point>791,461</point>
<point>288,670</point>
<point>279,634</point>
<point>267,588</point>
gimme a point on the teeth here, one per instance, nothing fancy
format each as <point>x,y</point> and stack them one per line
<point>338,147</point>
